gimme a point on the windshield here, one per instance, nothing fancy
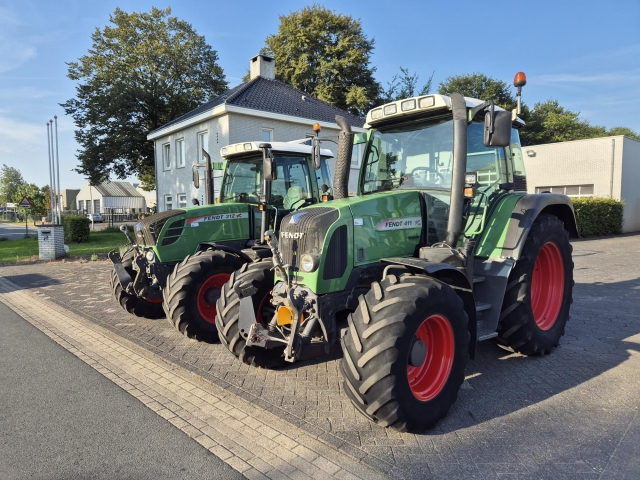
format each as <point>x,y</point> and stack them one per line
<point>409,157</point>
<point>243,181</point>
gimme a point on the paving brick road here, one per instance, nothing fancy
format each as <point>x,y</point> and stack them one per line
<point>573,414</point>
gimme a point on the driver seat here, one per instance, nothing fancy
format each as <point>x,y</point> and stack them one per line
<point>294,195</point>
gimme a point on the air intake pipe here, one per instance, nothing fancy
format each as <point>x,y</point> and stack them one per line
<point>343,162</point>
<point>454,224</point>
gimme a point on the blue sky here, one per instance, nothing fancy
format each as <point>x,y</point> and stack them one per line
<point>585,54</point>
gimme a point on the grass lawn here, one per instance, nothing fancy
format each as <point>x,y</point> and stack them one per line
<point>13,251</point>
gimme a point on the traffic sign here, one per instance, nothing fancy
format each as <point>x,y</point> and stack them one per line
<point>25,203</point>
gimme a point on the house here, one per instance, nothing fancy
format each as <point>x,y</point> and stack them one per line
<point>596,167</point>
<point>262,108</point>
<point>68,198</point>
<point>110,197</point>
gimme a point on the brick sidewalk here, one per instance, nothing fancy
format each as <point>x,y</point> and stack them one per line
<point>572,414</point>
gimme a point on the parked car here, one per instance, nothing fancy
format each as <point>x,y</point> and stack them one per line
<point>95,217</point>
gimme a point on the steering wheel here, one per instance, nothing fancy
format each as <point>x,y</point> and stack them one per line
<point>438,181</point>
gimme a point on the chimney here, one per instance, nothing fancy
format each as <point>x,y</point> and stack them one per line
<point>263,66</point>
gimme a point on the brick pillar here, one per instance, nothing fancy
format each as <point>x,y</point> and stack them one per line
<point>51,242</point>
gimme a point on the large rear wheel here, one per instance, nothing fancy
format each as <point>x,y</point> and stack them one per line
<point>138,306</point>
<point>260,275</point>
<point>536,304</point>
<point>405,352</point>
<point>192,291</point>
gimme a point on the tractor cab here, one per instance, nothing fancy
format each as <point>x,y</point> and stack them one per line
<point>296,183</point>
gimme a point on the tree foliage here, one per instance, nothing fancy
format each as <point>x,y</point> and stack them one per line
<point>142,71</point>
<point>480,86</point>
<point>10,181</point>
<point>549,122</point>
<point>405,85</point>
<point>327,55</point>
<point>37,197</point>
<point>624,131</point>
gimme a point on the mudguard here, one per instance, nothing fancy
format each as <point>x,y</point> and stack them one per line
<point>525,213</point>
<point>512,218</point>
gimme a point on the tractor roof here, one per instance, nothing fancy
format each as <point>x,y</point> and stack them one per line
<point>247,148</point>
<point>411,106</point>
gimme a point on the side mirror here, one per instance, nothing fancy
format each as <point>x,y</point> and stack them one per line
<point>315,155</point>
<point>196,178</point>
<point>497,129</point>
<point>269,168</point>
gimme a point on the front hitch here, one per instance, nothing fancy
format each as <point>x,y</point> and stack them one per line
<point>123,276</point>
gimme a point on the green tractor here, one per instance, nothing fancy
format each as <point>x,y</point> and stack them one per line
<point>441,248</point>
<point>180,259</point>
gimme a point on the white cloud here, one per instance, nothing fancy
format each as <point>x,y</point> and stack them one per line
<point>605,78</point>
<point>26,93</point>
<point>19,139</point>
<point>15,50</point>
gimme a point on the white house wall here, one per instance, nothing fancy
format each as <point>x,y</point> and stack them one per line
<point>631,185</point>
<point>179,180</point>
<point>581,162</point>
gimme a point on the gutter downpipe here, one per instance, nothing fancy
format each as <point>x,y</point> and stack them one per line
<point>613,159</point>
<point>454,224</point>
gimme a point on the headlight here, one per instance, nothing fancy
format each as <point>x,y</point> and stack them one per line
<point>308,263</point>
<point>150,255</point>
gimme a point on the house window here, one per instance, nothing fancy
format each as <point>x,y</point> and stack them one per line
<point>168,202</point>
<point>96,206</point>
<point>203,144</point>
<point>180,153</point>
<point>166,156</point>
<point>182,200</point>
<point>576,191</point>
<point>267,134</point>
<point>81,205</point>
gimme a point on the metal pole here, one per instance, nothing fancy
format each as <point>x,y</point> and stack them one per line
<point>50,174</point>
<point>53,186</point>
<point>58,169</point>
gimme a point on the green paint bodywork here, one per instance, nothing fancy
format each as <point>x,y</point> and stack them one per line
<point>375,210</point>
<point>490,242</point>
<point>227,228</point>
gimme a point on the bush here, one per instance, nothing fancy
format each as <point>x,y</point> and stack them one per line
<point>598,216</point>
<point>76,228</point>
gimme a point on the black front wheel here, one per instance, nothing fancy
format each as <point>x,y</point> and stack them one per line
<point>405,352</point>
<point>138,306</point>
<point>260,275</point>
<point>192,291</point>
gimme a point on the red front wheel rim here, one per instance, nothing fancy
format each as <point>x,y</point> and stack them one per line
<point>153,300</point>
<point>547,286</point>
<point>429,378</point>
<point>206,298</point>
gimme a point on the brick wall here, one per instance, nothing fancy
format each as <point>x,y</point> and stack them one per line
<point>51,242</point>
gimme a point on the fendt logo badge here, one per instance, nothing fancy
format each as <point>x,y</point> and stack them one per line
<point>292,235</point>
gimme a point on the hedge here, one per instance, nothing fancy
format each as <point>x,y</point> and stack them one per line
<point>598,216</point>
<point>76,228</point>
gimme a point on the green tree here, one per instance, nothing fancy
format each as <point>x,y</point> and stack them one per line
<point>549,122</point>
<point>141,72</point>
<point>327,55</point>
<point>37,197</point>
<point>405,85</point>
<point>10,181</point>
<point>478,85</point>
<point>624,131</point>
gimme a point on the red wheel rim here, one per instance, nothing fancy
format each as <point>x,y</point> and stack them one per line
<point>208,310</point>
<point>265,304</point>
<point>428,379</point>
<point>153,300</point>
<point>547,286</point>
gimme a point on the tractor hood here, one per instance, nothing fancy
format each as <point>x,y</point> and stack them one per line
<point>177,233</point>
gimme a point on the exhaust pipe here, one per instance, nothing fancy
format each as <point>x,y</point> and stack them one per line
<point>343,161</point>
<point>454,224</point>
